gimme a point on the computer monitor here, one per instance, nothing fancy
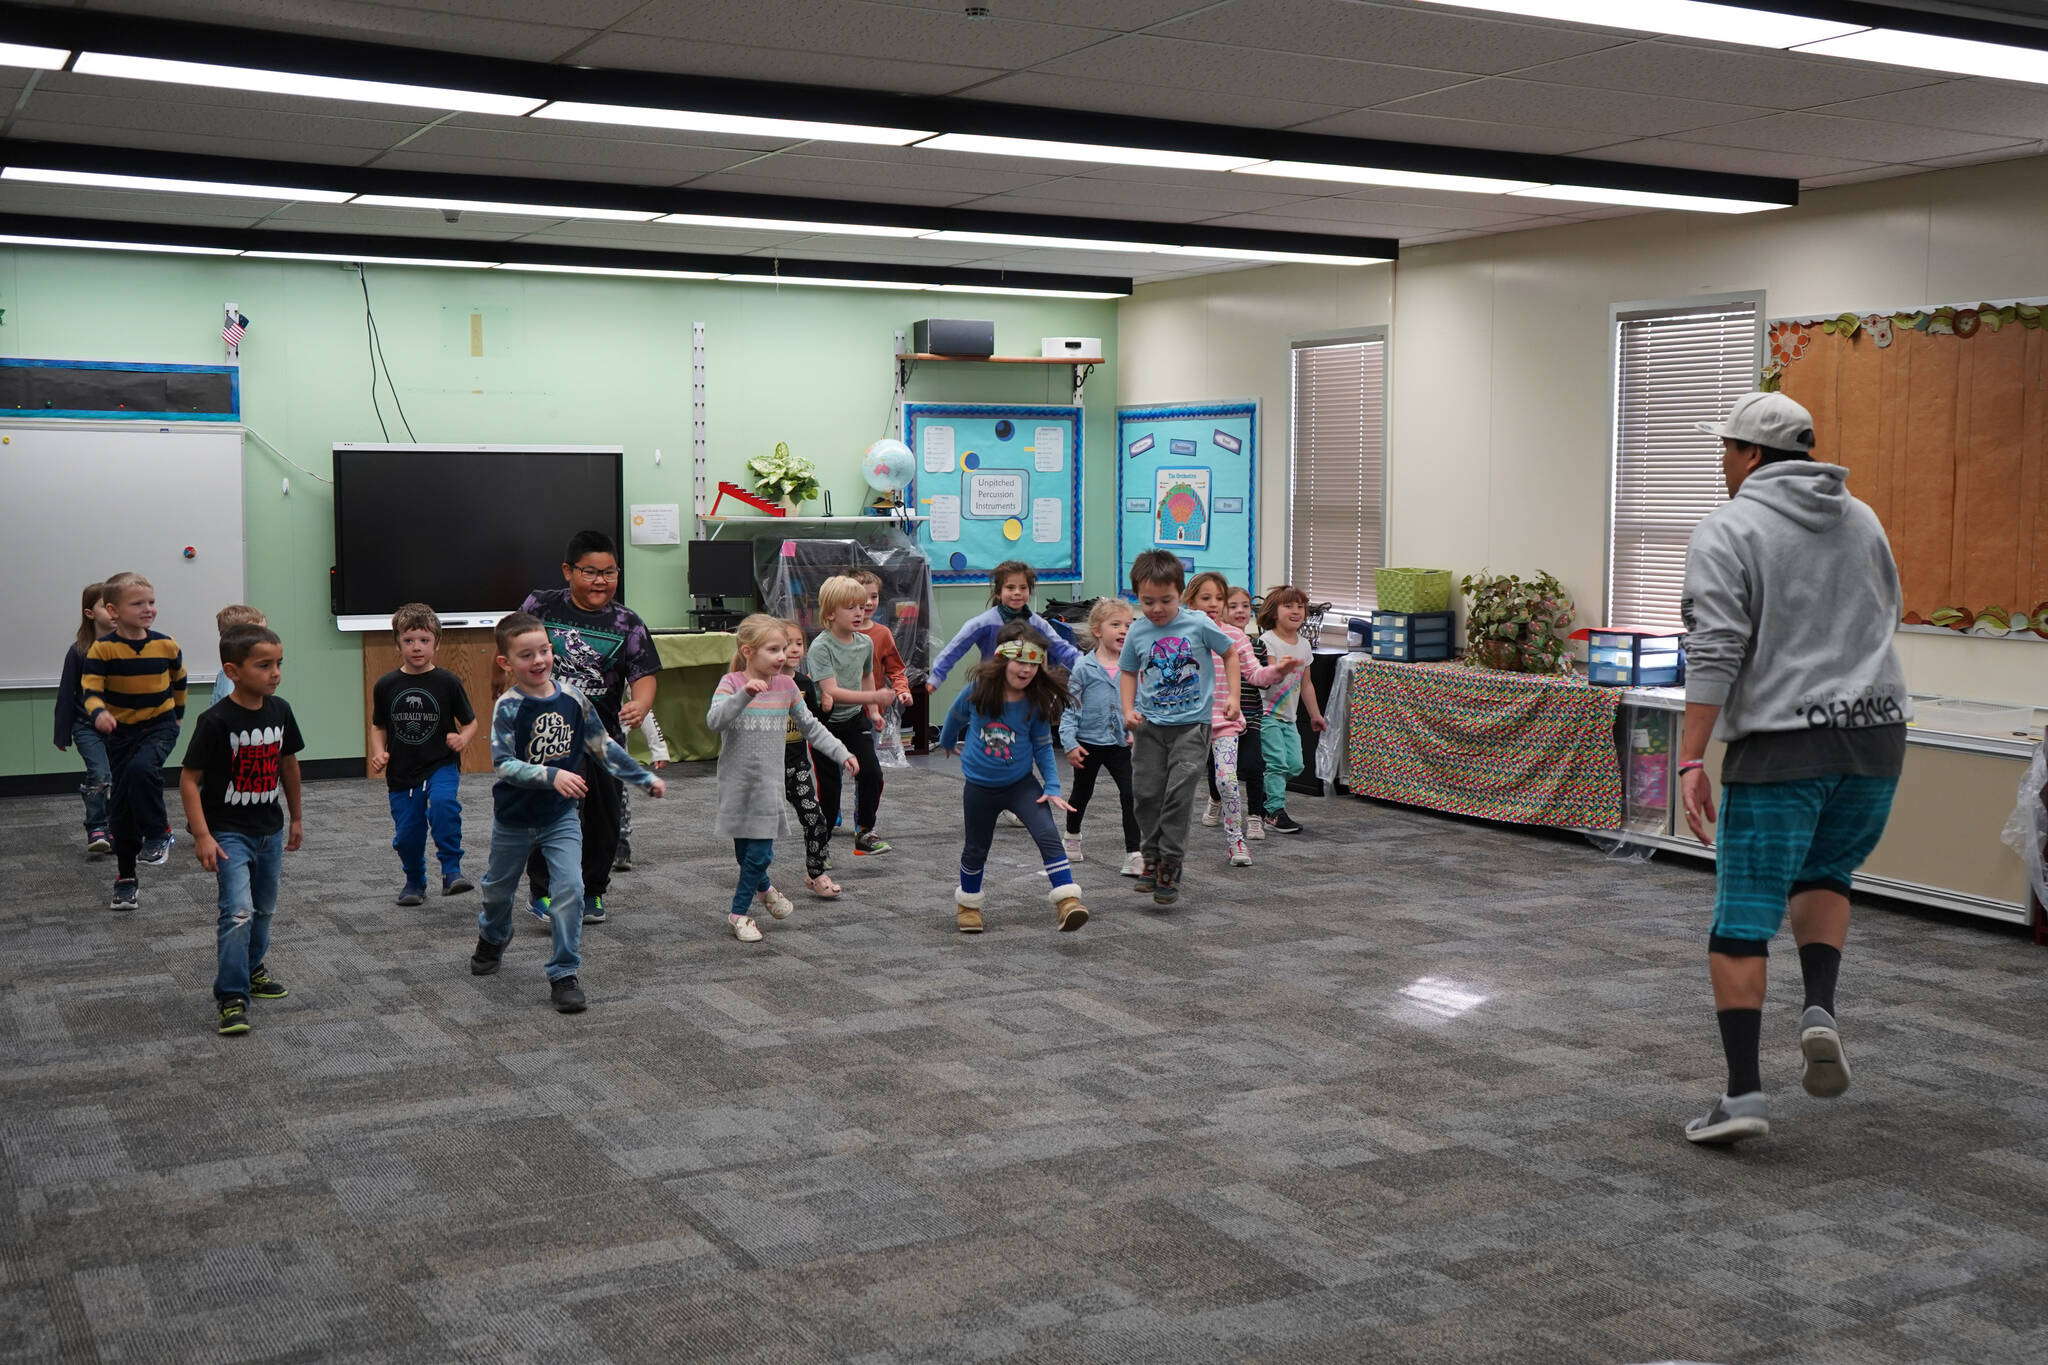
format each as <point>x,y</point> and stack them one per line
<point>722,568</point>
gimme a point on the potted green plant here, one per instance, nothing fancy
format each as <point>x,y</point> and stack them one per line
<point>783,477</point>
<point>1517,624</point>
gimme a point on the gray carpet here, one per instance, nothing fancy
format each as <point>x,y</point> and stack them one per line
<point>1407,1090</point>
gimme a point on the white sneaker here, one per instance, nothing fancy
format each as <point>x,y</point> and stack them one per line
<point>1212,815</point>
<point>1134,865</point>
<point>777,904</point>
<point>1073,843</point>
<point>1240,856</point>
<point>744,929</point>
<point>1010,817</point>
<point>1254,827</point>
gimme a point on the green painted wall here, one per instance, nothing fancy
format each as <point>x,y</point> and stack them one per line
<point>565,358</point>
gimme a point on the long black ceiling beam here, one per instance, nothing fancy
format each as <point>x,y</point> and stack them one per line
<point>357,245</point>
<point>180,40</point>
<point>80,156</point>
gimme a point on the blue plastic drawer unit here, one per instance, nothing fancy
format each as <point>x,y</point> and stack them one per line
<point>1633,658</point>
<point>1414,637</point>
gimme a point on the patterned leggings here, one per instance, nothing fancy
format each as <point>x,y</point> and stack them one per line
<point>800,785</point>
<point>1230,792</point>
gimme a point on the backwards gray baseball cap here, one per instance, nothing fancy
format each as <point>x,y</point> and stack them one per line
<point>1766,419</point>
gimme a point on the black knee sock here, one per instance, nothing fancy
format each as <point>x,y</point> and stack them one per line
<point>1820,963</point>
<point>1741,1034</point>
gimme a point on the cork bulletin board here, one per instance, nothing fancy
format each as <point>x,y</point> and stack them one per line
<point>1941,417</point>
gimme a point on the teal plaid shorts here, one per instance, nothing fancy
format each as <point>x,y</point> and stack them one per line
<point>1778,839</point>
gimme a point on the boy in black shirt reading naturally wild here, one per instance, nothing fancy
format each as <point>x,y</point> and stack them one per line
<point>239,769</point>
<point>420,722</point>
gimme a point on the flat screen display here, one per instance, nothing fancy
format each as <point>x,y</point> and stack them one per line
<point>468,530</point>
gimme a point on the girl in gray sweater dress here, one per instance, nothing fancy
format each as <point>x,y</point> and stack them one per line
<point>751,710</point>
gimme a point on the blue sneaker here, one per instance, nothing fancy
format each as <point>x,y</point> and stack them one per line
<point>156,852</point>
<point>593,910</point>
<point>540,908</point>
<point>410,894</point>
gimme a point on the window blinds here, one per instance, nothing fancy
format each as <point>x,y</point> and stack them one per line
<point>1674,369</point>
<point>1336,519</point>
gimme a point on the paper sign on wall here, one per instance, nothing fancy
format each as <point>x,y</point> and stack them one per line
<point>945,522</point>
<point>1183,503</point>
<point>938,450</point>
<point>657,523</point>
<point>997,493</point>
<point>1049,449</point>
<point>1046,522</point>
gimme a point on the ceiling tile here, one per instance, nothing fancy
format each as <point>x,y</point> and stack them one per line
<point>526,149</point>
<point>99,107</point>
<point>1699,156</point>
<point>157,214</point>
<point>643,52</point>
<point>1403,35</point>
<point>799,190</point>
<point>1476,210</point>
<point>888,172</point>
<point>818,249</point>
<point>1125,16</point>
<point>1856,139</point>
<point>1753,77</point>
<point>81,202</point>
<point>528,30</point>
<point>1453,132</point>
<point>1224,194</point>
<point>1558,106</point>
<point>1030,202</point>
<point>261,149</point>
<point>1179,64</point>
<point>1820,182</point>
<point>1150,101</point>
<point>588,137</point>
<point>406,159</point>
<point>863,29</point>
<point>396,222</point>
<point>1993,107</point>
<point>665,236</point>
<point>2011,153</point>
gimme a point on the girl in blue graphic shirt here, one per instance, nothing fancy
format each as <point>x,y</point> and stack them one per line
<point>1001,725</point>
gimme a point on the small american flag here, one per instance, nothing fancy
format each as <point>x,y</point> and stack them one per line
<point>231,332</point>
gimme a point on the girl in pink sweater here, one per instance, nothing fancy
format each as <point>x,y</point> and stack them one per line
<point>1210,593</point>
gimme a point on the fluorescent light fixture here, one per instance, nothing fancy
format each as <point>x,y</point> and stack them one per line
<point>719,220</point>
<point>817,282</point>
<point>1927,52</point>
<point>1679,18</point>
<point>1026,239</point>
<point>1030,293</point>
<point>357,258</point>
<point>410,201</point>
<point>1647,199</point>
<point>1237,253</point>
<point>1084,151</point>
<point>610,270</point>
<point>40,58</point>
<point>11,240</point>
<point>245,78</point>
<point>97,180</point>
<point>697,121</point>
<point>1372,175</point>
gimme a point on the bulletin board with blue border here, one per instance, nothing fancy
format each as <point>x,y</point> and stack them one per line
<point>996,481</point>
<point>1187,481</point>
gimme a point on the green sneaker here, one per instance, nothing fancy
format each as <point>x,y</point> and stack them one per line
<point>234,1017</point>
<point>867,844</point>
<point>593,910</point>
<point>539,908</point>
<point>264,986</point>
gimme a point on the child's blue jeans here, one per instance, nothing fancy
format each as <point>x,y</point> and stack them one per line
<point>754,855</point>
<point>99,774</point>
<point>435,803</point>
<point>560,844</point>
<point>247,876</point>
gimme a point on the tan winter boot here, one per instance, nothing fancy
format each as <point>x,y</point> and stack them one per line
<point>967,911</point>
<point>1066,903</point>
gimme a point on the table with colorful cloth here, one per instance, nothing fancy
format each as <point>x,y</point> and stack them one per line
<point>1520,747</point>
<point>692,662</point>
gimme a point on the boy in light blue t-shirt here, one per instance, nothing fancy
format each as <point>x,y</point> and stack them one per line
<point>1168,679</point>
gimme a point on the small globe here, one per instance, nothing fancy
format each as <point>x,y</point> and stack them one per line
<point>889,465</point>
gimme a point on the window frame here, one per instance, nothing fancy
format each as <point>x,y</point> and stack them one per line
<point>1380,333</point>
<point>1637,311</point>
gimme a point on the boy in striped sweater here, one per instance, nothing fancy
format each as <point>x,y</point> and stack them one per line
<point>133,682</point>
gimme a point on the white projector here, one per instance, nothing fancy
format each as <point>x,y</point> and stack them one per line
<point>1051,348</point>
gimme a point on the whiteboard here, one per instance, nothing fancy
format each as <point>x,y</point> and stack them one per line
<point>82,500</point>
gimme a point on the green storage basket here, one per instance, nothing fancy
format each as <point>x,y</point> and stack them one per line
<point>1412,590</point>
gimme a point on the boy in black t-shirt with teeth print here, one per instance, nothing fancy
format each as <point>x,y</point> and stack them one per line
<point>241,771</point>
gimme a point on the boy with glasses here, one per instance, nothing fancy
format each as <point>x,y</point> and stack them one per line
<point>603,650</point>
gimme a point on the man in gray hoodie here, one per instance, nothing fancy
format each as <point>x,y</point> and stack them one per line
<point>1791,598</point>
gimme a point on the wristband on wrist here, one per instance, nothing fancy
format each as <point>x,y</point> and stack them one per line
<point>1691,764</point>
